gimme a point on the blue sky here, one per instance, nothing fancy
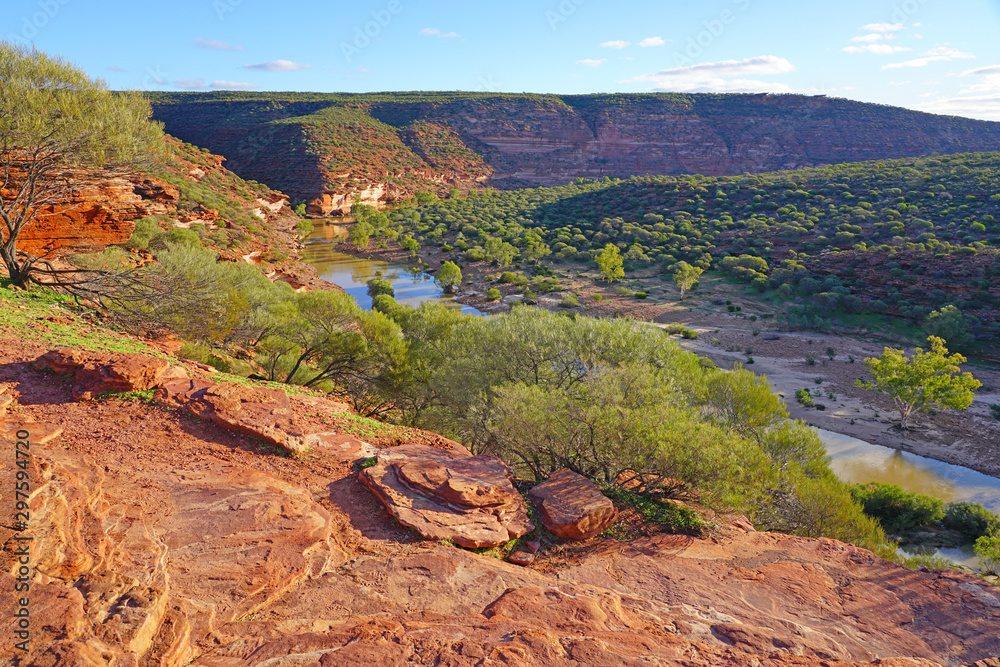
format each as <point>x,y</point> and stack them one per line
<point>941,56</point>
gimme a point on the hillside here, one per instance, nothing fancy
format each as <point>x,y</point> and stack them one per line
<point>900,238</point>
<point>325,148</point>
<point>164,538</point>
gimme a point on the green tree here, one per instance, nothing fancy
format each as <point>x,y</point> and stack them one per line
<point>360,234</point>
<point>448,276</point>
<point>949,324</point>
<point>57,128</point>
<point>685,276</point>
<point>927,380</point>
<point>988,550</point>
<point>610,262</point>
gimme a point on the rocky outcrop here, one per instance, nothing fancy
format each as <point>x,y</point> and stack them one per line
<point>339,203</point>
<point>572,506</point>
<point>96,373</point>
<point>258,411</point>
<point>449,495</point>
<point>163,540</point>
<point>101,211</point>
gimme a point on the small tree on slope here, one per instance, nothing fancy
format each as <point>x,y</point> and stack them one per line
<point>927,380</point>
<point>55,124</point>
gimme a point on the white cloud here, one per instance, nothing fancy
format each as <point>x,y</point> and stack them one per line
<point>937,54</point>
<point>873,37</point>
<point>985,107</point>
<point>434,32</point>
<point>278,66</point>
<point>652,41</point>
<point>724,76</point>
<point>199,84</point>
<point>877,49</point>
<point>884,27</point>
<point>591,63</point>
<point>115,68</point>
<point>615,44</point>
<point>213,45</point>
<point>989,79</point>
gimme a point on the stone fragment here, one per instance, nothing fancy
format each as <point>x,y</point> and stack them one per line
<point>100,372</point>
<point>446,495</point>
<point>572,506</point>
<point>521,557</point>
<point>257,411</point>
<point>341,447</point>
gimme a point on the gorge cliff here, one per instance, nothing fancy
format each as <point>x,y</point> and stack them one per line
<point>329,150</point>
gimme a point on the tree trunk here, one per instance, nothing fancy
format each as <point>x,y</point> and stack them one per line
<point>9,254</point>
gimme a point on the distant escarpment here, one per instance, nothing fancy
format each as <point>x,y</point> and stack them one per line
<point>330,150</point>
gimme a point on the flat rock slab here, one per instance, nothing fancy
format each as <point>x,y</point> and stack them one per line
<point>341,447</point>
<point>572,506</point>
<point>101,372</point>
<point>449,495</point>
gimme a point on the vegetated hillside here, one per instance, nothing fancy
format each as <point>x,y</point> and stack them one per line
<point>386,146</point>
<point>902,237</point>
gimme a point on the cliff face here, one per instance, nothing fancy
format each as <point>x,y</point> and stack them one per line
<point>341,145</point>
<point>99,212</point>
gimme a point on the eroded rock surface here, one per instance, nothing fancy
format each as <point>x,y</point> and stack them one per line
<point>163,540</point>
<point>448,495</point>
<point>572,506</point>
<point>100,372</point>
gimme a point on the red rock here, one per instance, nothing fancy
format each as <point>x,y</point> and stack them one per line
<point>521,557</point>
<point>99,372</point>
<point>257,411</point>
<point>444,495</point>
<point>101,211</point>
<point>572,506</point>
<point>340,447</point>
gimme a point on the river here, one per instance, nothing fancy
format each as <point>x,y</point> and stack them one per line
<point>855,461</point>
<point>412,286</point>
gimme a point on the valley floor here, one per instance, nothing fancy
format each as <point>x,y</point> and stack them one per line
<point>969,438</point>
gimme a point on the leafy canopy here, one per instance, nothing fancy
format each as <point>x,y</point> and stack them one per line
<point>927,380</point>
<point>54,118</point>
<point>610,262</point>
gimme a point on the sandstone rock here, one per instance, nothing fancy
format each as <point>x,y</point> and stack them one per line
<point>340,447</point>
<point>122,576</point>
<point>257,411</point>
<point>99,372</point>
<point>39,434</point>
<point>572,506</point>
<point>445,495</point>
<point>102,211</point>
<point>521,557</point>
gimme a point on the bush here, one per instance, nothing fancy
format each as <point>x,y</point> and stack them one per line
<point>898,510</point>
<point>569,301</point>
<point>493,294</point>
<point>988,550</point>
<point>377,286</point>
<point>640,295</point>
<point>971,519</point>
<point>805,398</point>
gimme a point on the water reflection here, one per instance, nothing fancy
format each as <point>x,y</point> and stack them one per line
<point>856,461</point>
<point>412,286</point>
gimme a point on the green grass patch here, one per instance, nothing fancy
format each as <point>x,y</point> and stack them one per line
<point>669,516</point>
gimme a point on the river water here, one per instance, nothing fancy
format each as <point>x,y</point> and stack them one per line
<point>412,286</point>
<point>852,460</point>
<point>856,461</point>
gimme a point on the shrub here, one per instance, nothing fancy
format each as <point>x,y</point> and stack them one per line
<point>640,295</point>
<point>569,301</point>
<point>493,294</point>
<point>971,519</point>
<point>377,286</point>
<point>988,550</point>
<point>805,398</point>
<point>898,510</point>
